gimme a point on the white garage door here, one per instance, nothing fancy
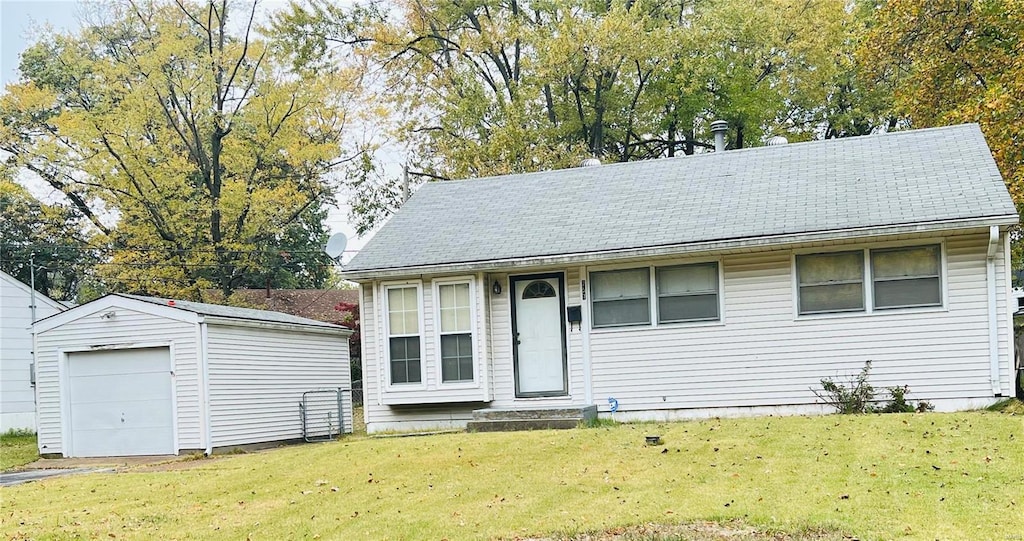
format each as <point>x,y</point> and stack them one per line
<point>121,402</point>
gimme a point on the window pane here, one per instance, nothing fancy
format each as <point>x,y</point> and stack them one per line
<point>913,292</point>
<point>403,311</point>
<point>456,357</point>
<point>624,312</point>
<point>405,359</point>
<point>539,289</point>
<point>454,307</point>
<point>831,298</point>
<point>825,268</point>
<point>396,322</point>
<point>904,262</point>
<point>412,323</point>
<point>448,319</point>
<point>410,298</point>
<point>687,279</point>
<point>461,294</point>
<point>687,308</point>
<point>609,285</point>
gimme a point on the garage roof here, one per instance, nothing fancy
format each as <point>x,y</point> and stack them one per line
<point>232,312</point>
<point>188,311</point>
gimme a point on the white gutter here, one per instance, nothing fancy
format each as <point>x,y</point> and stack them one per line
<point>685,248</point>
<point>204,388</point>
<point>993,311</point>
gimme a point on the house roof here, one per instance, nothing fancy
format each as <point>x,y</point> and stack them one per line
<point>937,176</point>
<point>315,304</point>
<point>230,312</point>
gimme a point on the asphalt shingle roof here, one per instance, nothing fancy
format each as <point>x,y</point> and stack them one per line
<point>901,178</point>
<point>232,312</point>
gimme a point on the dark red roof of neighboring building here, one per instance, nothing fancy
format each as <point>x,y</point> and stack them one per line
<point>315,304</point>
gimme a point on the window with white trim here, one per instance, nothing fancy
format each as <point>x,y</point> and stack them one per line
<point>621,297</point>
<point>456,332</point>
<point>902,277</point>
<point>404,334</point>
<point>906,277</point>
<point>831,282</point>
<point>681,293</point>
<point>687,292</point>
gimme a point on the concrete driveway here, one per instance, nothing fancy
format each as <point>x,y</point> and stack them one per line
<point>9,479</point>
<point>54,467</point>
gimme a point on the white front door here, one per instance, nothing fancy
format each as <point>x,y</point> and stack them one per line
<point>538,333</point>
<point>120,402</point>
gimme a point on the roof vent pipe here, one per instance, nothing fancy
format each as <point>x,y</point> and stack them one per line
<point>719,127</point>
<point>590,162</point>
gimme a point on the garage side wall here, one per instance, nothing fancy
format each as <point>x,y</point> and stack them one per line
<point>126,329</point>
<point>257,377</point>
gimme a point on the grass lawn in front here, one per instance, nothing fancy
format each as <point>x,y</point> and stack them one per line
<point>908,476</point>
<point>17,448</point>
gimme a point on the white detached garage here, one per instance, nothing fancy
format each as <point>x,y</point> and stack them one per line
<point>129,375</point>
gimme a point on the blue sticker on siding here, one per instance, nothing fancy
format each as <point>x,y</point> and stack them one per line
<point>614,404</point>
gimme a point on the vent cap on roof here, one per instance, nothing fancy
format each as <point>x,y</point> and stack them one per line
<point>778,140</point>
<point>590,162</point>
<point>719,128</point>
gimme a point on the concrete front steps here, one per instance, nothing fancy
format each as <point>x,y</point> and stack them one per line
<point>506,420</point>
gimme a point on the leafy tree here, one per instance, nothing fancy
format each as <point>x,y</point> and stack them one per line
<point>504,86</point>
<point>200,159</point>
<point>954,61</point>
<point>49,237</point>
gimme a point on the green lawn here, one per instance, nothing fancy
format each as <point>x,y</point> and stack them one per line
<point>908,476</point>
<point>17,449</point>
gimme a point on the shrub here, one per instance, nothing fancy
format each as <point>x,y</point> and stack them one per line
<point>858,396</point>
<point>853,397</point>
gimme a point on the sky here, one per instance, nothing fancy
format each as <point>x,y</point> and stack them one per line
<point>20,23</point>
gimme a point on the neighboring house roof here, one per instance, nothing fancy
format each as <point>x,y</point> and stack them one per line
<point>231,312</point>
<point>56,305</point>
<point>914,180</point>
<point>315,304</point>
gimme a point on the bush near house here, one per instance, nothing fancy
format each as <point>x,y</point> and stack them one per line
<point>858,396</point>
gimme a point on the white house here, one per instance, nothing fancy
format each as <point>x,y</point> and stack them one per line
<point>17,386</point>
<point>130,375</point>
<point>727,283</point>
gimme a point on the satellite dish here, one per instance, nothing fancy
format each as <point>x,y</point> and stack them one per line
<point>336,245</point>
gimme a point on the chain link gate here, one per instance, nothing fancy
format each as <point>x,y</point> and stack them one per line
<point>322,412</point>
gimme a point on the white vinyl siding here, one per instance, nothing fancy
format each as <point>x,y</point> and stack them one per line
<point>766,357</point>
<point>761,352</point>
<point>257,377</point>
<point>126,330</point>
<point>17,395</point>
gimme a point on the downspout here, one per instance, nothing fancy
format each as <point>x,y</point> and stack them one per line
<point>204,369</point>
<point>993,311</point>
